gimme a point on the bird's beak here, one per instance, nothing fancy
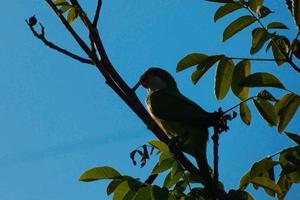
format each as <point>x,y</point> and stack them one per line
<point>140,82</point>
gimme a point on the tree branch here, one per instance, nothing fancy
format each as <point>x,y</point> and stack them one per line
<point>41,36</point>
<point>96,17</point>
<point>114,80</point>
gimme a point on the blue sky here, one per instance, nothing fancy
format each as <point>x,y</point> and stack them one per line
<point>58,118</point>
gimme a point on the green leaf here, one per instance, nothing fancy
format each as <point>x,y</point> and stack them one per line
<point>261,79</point>
<point>265,94</point>
<point>244,182</point>
<point>277,25</point>
<point>284,184</point>
<point>296,12</point>
<point>204,66</point>
<point>99,173</point>
<point>60,2</point>
<point>261,167</point>
<point>287,112</point>
<point>65,8</point>
<point>267,111</point>
<point>280,45</point>
<point>121,190</point>
<point>172,180</point>
<point>241,70</point>
<point>290,163</point>
<point>72,15</point>
<point>226,9</point>
<point>144,193</point>
<point>190,60</point>
<point>284,101</point>
<point>223,77</point>
<point>158,193</point>
<point>259,38</point>
<point>266,183</point>
<point>127,189</point>
<point>245,113</point>
<point>161,146</point>
<point>239,195</point>
<point>236,26</point>
<point>113,185</point>
<point>293,136</point>
<point>162,166</point>
<point>254,4</point>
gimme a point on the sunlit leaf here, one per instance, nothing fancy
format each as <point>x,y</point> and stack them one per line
<point>284,101</point>
<point>290,163</point>
<point>265,94</point>
<point>267,111</point>
<point>60,2</point>
<point>72,15</point>
<point>223,77</point>
<point>277,25</point>
<point>204,66</point>
<point>190,60</point>
<point>261,167</point>
<point>245,113</point>
<point>241,70</point>
<point>161,146</point>
<point>113,185</point>
<point>227,9</point>
<point>287,112</point>
<point>293,136</point>
<point>280,46</point>
<point>162,166</point>
<point>237,25</point>
<point>172,180</point>
<point>245,180</point>
<point>254,4</point>
<point>126,190</point>
<point>259,38</point>
<point>99,173</point>
<point>261,79</point>
<point>266,183</point>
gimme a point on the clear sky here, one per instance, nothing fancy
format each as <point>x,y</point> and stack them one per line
<point>58,118</point>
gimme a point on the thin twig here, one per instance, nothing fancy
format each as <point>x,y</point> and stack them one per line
<point>114,80</point>
<point>97,13</point>
<point>41,36</point>
<point>257,59</point>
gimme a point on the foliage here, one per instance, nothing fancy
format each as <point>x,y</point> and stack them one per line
<point>276,112</point>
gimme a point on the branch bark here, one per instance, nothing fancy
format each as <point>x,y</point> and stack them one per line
<point>114,80</point>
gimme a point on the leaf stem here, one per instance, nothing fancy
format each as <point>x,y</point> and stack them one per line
<point>235,106</point>
<point>257,59</point>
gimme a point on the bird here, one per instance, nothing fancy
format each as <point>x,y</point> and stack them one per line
<point>179,117</point>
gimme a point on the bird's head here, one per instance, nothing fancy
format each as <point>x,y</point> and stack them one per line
<point>156,78</point>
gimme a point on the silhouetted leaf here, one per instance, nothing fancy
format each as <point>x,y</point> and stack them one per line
<point>223,77</point>
<point>267,111</point>
<point>204,66</point>
<point>226,9</point>
<point>237,25</point>
<point>245,113</point>
<point>239,195</point>
<point>190,60</point>
<point>277,25</point>
<point>266,183</point>
<point>259,38</point>
<point>261,79</point>
<point>287,112</point>
<point>290,163</point>
<point>241,70</point>
<point>293,136</point>
<point>285,184</point>
<point>99,173</point>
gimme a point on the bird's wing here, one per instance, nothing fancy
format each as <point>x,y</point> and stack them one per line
<point>176,107</point>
